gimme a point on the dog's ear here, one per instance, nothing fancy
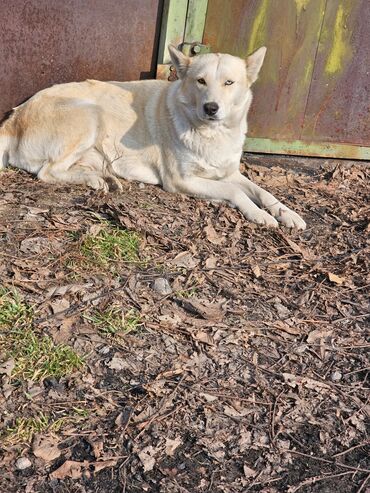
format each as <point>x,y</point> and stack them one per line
<point>180,61</point>
<point>254,63</point>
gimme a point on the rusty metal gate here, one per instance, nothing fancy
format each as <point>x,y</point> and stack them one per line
<point>43,42</point>
<point>313,94</point>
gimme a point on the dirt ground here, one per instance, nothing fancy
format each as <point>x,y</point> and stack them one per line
<point>217,356</point>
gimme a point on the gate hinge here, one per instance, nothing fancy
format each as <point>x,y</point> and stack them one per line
<point>167,71</point>
<point>194,48</point>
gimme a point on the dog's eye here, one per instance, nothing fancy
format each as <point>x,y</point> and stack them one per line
<point>201,81</point>
<point>229,82</point>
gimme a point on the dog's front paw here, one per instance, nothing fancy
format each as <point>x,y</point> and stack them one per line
<point>262,217</point>
<point>290,219</point>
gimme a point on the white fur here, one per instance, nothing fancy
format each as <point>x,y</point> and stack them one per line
<point>152,131</point>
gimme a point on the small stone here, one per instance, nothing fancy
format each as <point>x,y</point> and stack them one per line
<point>336,376</point>
<point>162,286</point>
<point>23,463</point>
<point>104,350</point>
<point>282,310</point>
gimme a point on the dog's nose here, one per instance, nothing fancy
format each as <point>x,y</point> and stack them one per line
<point>210,109</point>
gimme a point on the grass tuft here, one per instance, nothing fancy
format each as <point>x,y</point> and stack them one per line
<point>24,428</point>
<point>35,355</point>
<point>187,293</point>
<point>13,311</point>
<point>111,244</point>
<point>114,321</point>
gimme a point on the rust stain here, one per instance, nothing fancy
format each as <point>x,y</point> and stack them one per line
<point>44,42</point>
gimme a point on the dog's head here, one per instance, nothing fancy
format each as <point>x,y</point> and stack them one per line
<point>217,85</point>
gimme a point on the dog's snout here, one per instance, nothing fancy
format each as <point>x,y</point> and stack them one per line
<point>210,109</point>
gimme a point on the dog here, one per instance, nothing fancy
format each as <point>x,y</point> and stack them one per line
<point>186,136</point>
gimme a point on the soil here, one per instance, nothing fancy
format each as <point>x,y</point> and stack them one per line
<point>250,375</point>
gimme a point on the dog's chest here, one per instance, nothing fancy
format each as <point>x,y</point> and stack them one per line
<point>214,160</point>
<point>212,167</point>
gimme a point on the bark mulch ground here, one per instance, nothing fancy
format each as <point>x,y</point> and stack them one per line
<point>152,342</point>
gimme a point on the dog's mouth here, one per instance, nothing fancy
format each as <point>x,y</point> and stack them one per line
<point>209,118</point>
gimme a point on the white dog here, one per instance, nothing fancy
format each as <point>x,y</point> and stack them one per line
<point>186,135</point>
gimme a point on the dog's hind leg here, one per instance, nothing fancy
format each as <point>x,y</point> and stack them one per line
<point>5,143</point>
<point>266,200</point>
<point>72,168</point>
<point>71,153</point>
<point>129,165</point>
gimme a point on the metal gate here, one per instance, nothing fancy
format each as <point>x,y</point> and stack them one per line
<point>313,94</point>
<point>43,42</point>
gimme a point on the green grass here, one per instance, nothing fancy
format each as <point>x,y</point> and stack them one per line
<point>24,428</point>
<point>113,321</point>
<point>111,244</point>
<point>35,355</point>
<point>187,293</point>
<point>13,312</point>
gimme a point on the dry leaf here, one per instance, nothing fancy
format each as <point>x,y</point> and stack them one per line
<point>117,364</point>
<point>171,445</point>
<point>184,259</point>
<point>7,367</point>
<point>318,334</point>
<point>59,305</point>
<point>208,397</point>
<point>233,413</point>
<point>281,325</point>
<point>65,330</point>
<point>95,229</point>
<point>97,447</point>
<point>70,469</point>
<point>34,245</point>
<point>298,381</point>
<point>211,262</point>
<point>68,288</point>
<point>295,247</point>
<point>256,271</point>
<point>45,448</point>
<point>104,464</point>
<point>248,471</point>
<point>203,337</point>
<point>146,457</point>
<point>336,279</point>
<point>213,236</point>
<point>202,308</point>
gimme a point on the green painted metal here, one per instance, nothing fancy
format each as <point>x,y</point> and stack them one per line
<point>182,24</point>
<point>291,35</point>
<point>195,21</point>
<point>304,148</point>
<point>338,107</point>
<point>312,95</point>
<point>173,27</point>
